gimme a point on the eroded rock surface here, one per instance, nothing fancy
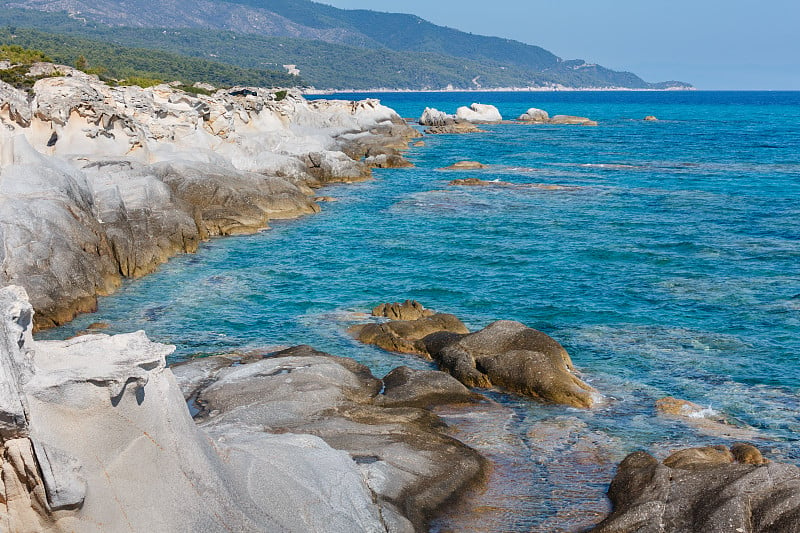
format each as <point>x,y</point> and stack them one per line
<point>479,113</point>
<point>96,436</point>
<point>410,466</point>
<point>704,489</point>
<point>112,181</point>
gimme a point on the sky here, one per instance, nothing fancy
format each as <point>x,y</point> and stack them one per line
<point>712,44</point>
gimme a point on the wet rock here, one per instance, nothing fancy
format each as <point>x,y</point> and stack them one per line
<point>465,165</point>
<point>404,387</point>
<point>650,118</point>
<point>405,336</point>
<point>388,161</point>
<point>512,356</point>
<point>408,310</point>
<point>505,354</point>
<point>712,495</point>
<point>702,418</point>
<point>323,199</point>
<point>418,144</point>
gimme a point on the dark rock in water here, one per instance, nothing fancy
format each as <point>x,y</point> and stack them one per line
<point>515,357</point>
<point>405,336</point>
<point>408,310</point>
<point>407,461</point>
<point>504,354</point>
<point>405,387</point>
<point>713,494</point>
<point>457,126</point>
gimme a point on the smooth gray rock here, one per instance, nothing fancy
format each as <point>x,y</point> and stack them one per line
<point>409,464</point>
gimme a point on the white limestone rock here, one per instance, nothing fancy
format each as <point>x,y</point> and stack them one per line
<point>479,113</point>
<point>535,115</point>
<point>434,117</point>
<point>109,445</point>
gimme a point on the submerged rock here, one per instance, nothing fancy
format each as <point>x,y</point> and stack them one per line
<point>572,120</point>
<point>465,165</point>
<point>703,489</point>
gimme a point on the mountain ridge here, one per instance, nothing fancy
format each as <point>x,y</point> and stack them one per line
<point>406,51</point>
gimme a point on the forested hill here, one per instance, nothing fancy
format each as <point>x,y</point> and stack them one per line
<point>333,48</point>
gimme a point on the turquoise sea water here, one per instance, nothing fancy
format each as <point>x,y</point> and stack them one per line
<point>669,265</point>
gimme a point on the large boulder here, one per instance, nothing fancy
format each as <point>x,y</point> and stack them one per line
<point>703,489</point>
<point>479,113</point>
<point>434,117</point>
<point>515,357</point>
<point>535,115</point>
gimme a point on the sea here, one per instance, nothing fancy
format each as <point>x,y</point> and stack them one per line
<point>664,255</point>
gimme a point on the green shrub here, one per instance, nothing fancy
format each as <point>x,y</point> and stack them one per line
<point>21,56</point>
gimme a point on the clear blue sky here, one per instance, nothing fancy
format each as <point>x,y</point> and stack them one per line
<point>713,44</point>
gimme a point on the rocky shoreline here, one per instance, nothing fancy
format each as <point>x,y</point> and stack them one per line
<point>100,183</point>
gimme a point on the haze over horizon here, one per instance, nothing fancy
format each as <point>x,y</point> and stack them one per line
<point>714,45</point>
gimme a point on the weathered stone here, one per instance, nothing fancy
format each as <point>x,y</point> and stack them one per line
<point>572,120</point>
<point>457,127</point>
<point>408,310</point>
<point>434,117</point>
<point>699,458</point>
<point>405,336</point>
<point>535,115</point>
<point>404,387</point>
<point>113,181</point>
<point>410,466</point>
<point>719,496</point>
<point>650,118</point>
<point>479,113</point>
<point>512,356</point>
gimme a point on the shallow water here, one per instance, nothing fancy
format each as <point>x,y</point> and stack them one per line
<point>668,265</point>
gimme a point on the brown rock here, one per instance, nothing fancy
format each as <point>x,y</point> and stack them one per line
<point>419,144</point>
<point>405,387</point>
<point>404,336</point>
<point>650,118</point>
<point>465,165</point>
<point>747,454</point>
<point>513,356</point>
<point>408,310</point>
<point>458,126</point>
<point>698,458</point>
<point>572,120</point>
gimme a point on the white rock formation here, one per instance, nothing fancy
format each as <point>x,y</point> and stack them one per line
<point>480,113</point>
<point>100,182</point>
<point>434,117</point>
<point>96,437</point>
<point>535,115</point>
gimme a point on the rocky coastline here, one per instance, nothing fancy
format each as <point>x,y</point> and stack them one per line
<point>101,183</point>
